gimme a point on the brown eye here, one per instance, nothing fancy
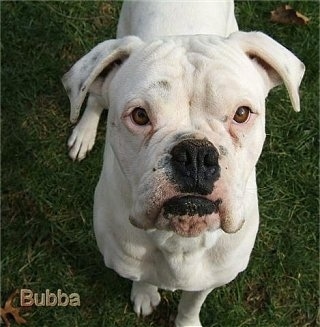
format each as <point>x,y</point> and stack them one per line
<point>139,116</point>
<point>242,115</point>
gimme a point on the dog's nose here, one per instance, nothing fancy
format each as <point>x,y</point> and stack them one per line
<point>195,166</point>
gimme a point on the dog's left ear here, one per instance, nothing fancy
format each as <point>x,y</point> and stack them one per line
<point>84,74</point>
<point>280,64</point>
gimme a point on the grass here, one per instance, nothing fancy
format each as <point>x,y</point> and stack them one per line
<point>47,235</point>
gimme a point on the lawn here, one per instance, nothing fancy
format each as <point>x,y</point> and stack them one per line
<point>47,234</point>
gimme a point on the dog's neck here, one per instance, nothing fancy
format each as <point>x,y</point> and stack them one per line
<point>158,19</point>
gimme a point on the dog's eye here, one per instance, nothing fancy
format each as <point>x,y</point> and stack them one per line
<point>242,115</point>
<point>139,116</point>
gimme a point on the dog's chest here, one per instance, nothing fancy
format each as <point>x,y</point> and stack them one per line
<point>187,263</point>
<point>188,271</point>
<point>183,270</point>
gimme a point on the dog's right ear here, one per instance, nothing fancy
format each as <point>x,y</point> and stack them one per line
<point>84,73</point>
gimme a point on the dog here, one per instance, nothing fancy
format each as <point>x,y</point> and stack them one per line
<point>176,204</point>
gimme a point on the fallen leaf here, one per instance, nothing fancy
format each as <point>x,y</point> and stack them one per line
<point>9,309</point>
<point>287,15</point>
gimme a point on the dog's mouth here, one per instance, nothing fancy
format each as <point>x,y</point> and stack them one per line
<point>189,215</point>
<point>190,205</point>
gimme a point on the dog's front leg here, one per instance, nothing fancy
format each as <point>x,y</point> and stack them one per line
<point>83,135</point>
<point>145,298</point>
<point>189,308</point>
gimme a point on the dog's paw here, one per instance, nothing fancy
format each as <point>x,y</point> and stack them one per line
<point>145,298</point>
<point>81,140</point>
<point>182,322</point>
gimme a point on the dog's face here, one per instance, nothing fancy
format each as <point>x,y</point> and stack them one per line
<point>186,122</point>
<point>187,129</point>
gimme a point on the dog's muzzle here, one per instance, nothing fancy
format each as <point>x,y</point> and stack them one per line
<point>195,166</point>
<point>194,170</point>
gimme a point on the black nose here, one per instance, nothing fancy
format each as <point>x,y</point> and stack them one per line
<point>195,166</point>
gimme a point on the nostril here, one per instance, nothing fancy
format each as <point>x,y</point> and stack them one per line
<point>209,160</point>
<point>180,157</point>
<point>179,154</point>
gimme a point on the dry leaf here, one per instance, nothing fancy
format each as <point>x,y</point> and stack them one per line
<point>287,15</point>
<point>9,309</point>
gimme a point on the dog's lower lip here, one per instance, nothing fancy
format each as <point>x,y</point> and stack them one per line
<point>190,205</point>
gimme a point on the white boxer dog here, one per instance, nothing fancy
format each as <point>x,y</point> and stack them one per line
<point>176,204</point>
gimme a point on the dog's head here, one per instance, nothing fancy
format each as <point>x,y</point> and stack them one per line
<point>186,122</point>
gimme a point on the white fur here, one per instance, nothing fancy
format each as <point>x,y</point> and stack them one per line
<point>190,85</point>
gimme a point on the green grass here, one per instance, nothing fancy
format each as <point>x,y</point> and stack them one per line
<point>47,235</point>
